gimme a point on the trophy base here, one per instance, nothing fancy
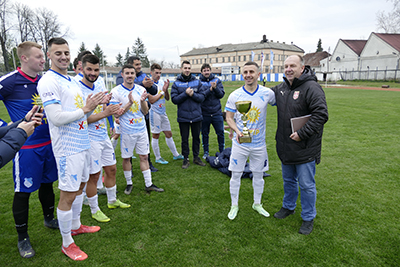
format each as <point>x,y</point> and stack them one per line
<point>245,139</point>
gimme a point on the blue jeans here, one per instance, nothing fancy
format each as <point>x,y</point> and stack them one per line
<point>300,175</point>
<point>217,122</point>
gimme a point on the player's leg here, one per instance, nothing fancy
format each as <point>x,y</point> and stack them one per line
<point>73,174</point>
<point>128,143</point>
<point>46,191</point>
<point>142,148</point>
<point>258,164</point>
<point>166,128</point>
<point>237,162</point>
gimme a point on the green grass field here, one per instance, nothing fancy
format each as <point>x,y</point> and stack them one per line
<point>358,204</point>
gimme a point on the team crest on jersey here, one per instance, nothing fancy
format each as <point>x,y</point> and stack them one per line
<point>135,107</point>
<point>254,114</point>
<point>28,182</point>
<point>37,100</point>
<point>78,101</point>
<point>98,109</point>
<point>296,95</point>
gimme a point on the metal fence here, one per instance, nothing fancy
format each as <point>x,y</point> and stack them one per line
<point>372,75</point>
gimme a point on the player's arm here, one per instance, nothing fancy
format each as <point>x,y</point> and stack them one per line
<point>143,103</point>
<point>232,124</point>
<point>154,98</point>
<point>107,111</point>
<point>126,107</point>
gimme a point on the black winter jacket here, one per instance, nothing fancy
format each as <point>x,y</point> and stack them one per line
<point>212,104</point>
<point>304,97</point>
<point>11,140</point>
<point>189,108</point>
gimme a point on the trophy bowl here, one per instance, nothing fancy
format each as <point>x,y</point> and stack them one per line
<point>243,107</point>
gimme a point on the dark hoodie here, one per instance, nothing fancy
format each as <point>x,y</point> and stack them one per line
<point>304,97</point>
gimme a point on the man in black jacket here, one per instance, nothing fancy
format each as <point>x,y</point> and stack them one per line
<point>299,151</point>
<point>211,108</point>
<point>187,93</point>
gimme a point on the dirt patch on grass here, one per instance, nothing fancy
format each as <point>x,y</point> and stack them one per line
<point>362,87</point>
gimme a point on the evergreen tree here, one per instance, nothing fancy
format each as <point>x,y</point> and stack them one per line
<point>99,53</point>
<point>139,50</point>
<point>82,48</point>
<point>319,46</point>
<point>119,59</point>
<point>127,55</point>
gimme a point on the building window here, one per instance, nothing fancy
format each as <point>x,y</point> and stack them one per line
<point>197,61</point>
<point>259,57</point>
<point>229,59</point>
<point>223,59</point>
<point>244,58</point>
<point>233,59</point>
<point>216,60</point>
<point>238,58</point>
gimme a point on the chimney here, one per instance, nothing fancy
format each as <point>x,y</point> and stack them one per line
<point>264,40</point>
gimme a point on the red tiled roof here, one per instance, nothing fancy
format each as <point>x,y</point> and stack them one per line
<point>356,45</point>
<point>392,39</point>
<point>313,59</point>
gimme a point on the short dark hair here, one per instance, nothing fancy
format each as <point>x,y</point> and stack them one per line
<point>205,66</point>
<point>92,59</point>
<point>251,63</point>
<point>127,66</point>
<point>155,66</point>
<point>131,59</point>
<point>76,62</point>
<point>82,54</point>
<point>57,41</point>
<point>185,62</point>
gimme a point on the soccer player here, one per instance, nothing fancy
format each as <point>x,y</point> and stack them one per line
<point>143,80</point>
<point>67,113</point>
<point>34,165</point>
<point>133,127</point>
<point>101,151</point>
<point>159,121</point>
<point>256,151</point>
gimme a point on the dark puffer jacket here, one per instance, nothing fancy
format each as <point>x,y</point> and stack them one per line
<point>189,108</point>
<point>304,97</point>
<point>212,104</point>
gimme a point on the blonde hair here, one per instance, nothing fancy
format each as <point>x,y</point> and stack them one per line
<point>23,48</point>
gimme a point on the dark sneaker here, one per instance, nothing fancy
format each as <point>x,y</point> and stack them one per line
<point>128,189</point>
<point>306,227</point>
<point>53,224</point>
<point>198,161</point>
<point>185,163</point>
<point>153,187</point>
<point>283,213</point>
<point>25,248</point>
<point>152,168</point>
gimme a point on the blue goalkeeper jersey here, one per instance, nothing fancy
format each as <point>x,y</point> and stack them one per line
<point>19,93</point>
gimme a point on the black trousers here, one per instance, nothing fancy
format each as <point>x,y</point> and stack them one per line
<point>185,128</point>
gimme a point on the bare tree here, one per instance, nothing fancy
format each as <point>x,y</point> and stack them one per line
<point>25,25</point>
<point>5,27</point>
<point>389,22</point>
<point>47,26</point>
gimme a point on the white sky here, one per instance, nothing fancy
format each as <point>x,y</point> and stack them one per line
<point>169,26</point>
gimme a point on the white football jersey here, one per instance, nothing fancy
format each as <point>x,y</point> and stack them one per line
<point>71,138</point>
<point>256,115</point>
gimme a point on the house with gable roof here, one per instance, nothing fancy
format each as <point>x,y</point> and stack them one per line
<point>374,59</point>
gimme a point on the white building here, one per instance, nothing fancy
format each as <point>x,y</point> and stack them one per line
<point>374,59</point>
